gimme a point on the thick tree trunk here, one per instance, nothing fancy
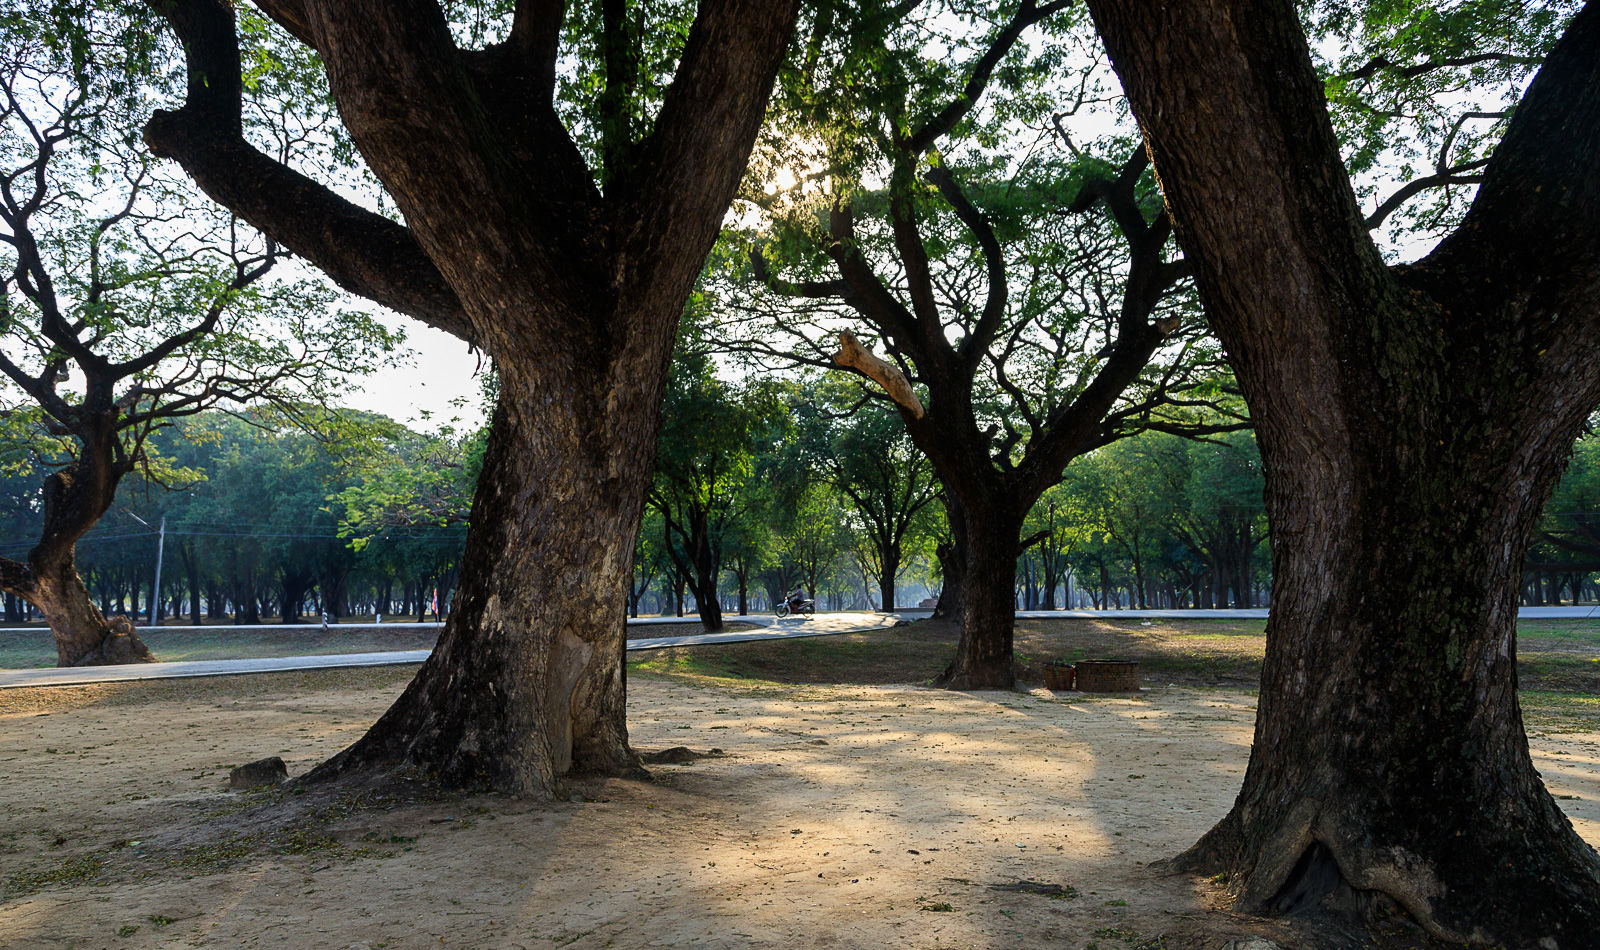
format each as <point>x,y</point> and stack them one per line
<point>1412,423</point>
<point>332,587</point>
<point>423,599</point>
<point>526,683</point>
<point>988,601</point>
<point>82,634</point>
<point>295,588</point>
<point>707,603</point>
<point>886,582</point>
<point>572,278</point>
<point>1400,766</point>
<point>952,570</point>
<point>74,499</point>
<point>706,572</point>
<point>1052,577</point>
<point>192,570</point>
<point>246,609</point>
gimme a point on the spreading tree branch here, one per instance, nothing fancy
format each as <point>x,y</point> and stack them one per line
<point>940,123</point>
<point>857,357</point>
<point>361,251</point>
<point>1380,64</point>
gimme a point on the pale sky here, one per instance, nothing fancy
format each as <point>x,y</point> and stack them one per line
<point>420,392</point>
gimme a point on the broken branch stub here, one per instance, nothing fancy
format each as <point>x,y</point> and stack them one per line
<point>857,357</point>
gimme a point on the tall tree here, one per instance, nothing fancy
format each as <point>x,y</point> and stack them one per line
<point>1051,528</point>
<point>1134,505</point>
<point>1019,306</point>
<point>862,449</point>
<point>711,434</point>
<point>557,219</point>
<point>1221,519</point>
<point>117,319</point>
<point>812,543</point>
<point>1412,421</point>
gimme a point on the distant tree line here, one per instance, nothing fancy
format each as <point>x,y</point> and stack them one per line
<point>761,487</point>
<point>265,521</point>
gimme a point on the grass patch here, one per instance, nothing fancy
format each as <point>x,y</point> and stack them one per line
<point>1198,653</point>
<point>646,630</point>
<point>76,870</point>
<point>307,836</point>
<point>1222,652</point>
<point>1549,711</point>
<point>1564,672</point>
<point>216,857</point>
<point>1556,656</point>
<point>910,654</point>
<point>222,855</point>
<point>1581,630</point>
<point>243,688</point>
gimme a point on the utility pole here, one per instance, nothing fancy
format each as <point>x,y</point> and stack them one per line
<point>161,549</point>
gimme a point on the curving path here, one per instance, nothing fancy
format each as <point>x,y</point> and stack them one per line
<point>821,625</point>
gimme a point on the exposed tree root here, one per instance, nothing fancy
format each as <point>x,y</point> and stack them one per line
<point>120,645</point>
<point>1338,880</point>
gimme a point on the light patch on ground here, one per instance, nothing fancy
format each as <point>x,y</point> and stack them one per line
<point>837,816</point>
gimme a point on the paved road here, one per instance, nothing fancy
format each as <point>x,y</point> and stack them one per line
<point>79,676</point>
<point>411,625</point>
<point>773,629</point>
<point>1227,613</point>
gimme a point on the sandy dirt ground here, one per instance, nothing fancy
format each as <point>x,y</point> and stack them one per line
<point>832,817</point>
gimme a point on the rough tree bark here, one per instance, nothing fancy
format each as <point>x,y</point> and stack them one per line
<point>509,243</point>
<point>1412,422</point>
<point>987,606</point>
<point>74,500</point>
